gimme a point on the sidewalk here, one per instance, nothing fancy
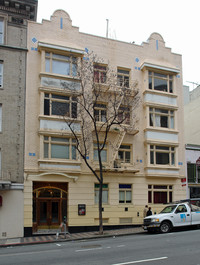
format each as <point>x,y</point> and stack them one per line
<point>39,239</point>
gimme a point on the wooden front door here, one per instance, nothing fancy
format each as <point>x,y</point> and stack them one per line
<point>48,212</point>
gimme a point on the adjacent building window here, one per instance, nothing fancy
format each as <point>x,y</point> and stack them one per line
<point>193,173</point>
<point>0,117</point>
<point>161,118</point>
<point>124,153</point>
<point>0,164</point>
<point>60,64</point>
<point>162,155</point>
<point>125,193</point>
<point>123,78</point>
<point>1,74</point>
<point>60,105</point>
<point>104,193</point>
<point>160,193</point>
<point>100,112</point>
<point>99,73</point>
<point>103,153</point>
<point>161,82</point>
<point>124,114</point>
<point>60,148</point>
<point>1,31</point>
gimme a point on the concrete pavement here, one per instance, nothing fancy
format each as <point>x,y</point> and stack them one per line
<point>39,239</point>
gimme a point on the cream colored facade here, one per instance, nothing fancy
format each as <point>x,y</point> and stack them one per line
<point>67,183</point>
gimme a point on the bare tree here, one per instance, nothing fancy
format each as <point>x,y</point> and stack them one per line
<point>104,101</point>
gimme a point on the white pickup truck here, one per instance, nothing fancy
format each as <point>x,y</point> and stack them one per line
<point>183,213</point>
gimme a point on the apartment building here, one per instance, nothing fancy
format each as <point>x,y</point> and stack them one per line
<point>57,183</point>
<point>13,50</point>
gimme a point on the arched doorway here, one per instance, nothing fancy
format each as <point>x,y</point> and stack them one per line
<point>49,205</point>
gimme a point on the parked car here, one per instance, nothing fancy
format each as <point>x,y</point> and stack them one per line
<point>178,214</point>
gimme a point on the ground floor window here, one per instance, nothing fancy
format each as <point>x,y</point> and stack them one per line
<point>160,193</point>
<point>193,173</point>
<point>194,192</point>
<point>104,193</point>
<point>125,193</point>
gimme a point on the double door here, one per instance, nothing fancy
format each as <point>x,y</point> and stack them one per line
<point>48,213</point>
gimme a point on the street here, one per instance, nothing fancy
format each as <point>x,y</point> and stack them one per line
<point>180,247</point>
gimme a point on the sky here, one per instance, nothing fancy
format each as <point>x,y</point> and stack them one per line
<point>133,21</point>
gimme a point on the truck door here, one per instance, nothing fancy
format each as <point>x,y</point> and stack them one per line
<point>195,212</point>
<point>182,216</point>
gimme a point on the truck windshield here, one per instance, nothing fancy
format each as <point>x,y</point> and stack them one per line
<point>168,209</point>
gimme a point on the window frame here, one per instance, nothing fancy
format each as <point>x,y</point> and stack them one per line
<point>124,151</point>
<point>69,59</point>
<point>123,77</point>
<point>1,74</point>
<point>124,115</point>
<point>99,108</point>
<point>196,173</point>
<point>105,191</point>
<point>161,76</point>
<point>156,149</point>
<point>2,32</point>
<point>125,189</point>
<point>1,117</point>
<point>157,114</point>
<point>95,153</point>
<point>100,73</point>
<point>159,190</point>
<point>51,98</point>
<point>49,141</point>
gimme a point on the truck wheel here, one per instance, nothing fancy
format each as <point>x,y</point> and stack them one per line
<point>165,227</point>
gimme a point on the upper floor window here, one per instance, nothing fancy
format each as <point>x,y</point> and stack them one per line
<point>123,78</point>
<point>162,155</point>
<point>60,148</point>
<point>124,114</point>
<point>161,82</point>
<point>124,153</point>
<point>1,74</point>
<point>100,112</point>
<point>60,64</point>
<point>0,117</point>
<point>161,118</point>
<point>60,105</point>
<point>103,153</point>
<point>193,173</point>
<point>1,31</point>
<point>99,73</point>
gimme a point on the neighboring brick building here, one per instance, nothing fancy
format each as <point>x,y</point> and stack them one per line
<point>59,185</point>
<point>13,51</point>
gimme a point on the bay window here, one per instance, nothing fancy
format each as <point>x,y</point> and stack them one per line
<point>161,118</point>
<point>162,155</point>
<point>161,82</point>
<point>59,148</point>
<point>60,64</point>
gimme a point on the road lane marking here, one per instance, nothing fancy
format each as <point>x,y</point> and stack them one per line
<point>28,253</point>
<point>87,249</point>
<point>140,261</point>
<point>120,246</point>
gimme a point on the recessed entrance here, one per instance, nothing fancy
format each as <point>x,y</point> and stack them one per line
<point>49,205</point>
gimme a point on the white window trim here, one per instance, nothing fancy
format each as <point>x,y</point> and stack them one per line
<point>1,74</point>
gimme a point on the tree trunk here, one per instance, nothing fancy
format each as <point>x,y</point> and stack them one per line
<point>100,209</point>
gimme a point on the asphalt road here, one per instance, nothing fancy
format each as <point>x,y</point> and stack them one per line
<point>175,248</point>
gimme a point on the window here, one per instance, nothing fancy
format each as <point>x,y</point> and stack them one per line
<point>161,82</point>
<point>0,117</point>
<point>103,153</point>
<point>104,193</point>
<point>125,193</point>
<point>161,118</point>
<point>124,114</point>
<point>60,64</point>
<point>193,173</point>
<point>60,148</point>
<point>100,112</point>
<point>162,155</point>
<point>1,74</point>
<point>123,78</point>
<point>1,31</point>
<point>60,105</point>
<point>159,193</point>
<point>99,73</point>
<point>124,153</point>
